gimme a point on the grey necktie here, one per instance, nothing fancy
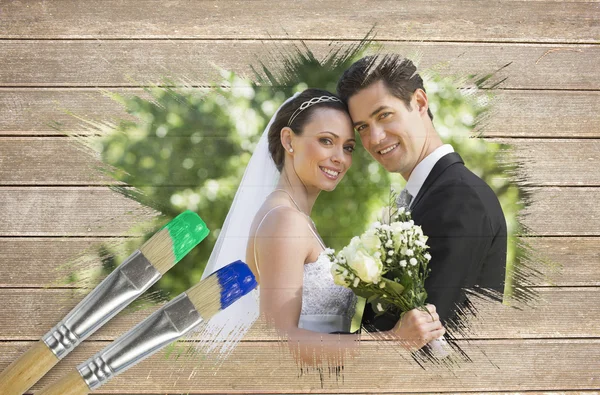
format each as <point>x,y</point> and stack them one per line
<point>404,199</point>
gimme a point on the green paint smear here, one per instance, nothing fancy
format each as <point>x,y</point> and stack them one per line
<point>187,230</point>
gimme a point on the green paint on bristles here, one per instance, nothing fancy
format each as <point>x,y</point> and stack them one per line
<point>186,231</point>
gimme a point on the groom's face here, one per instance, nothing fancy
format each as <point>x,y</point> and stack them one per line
<point>392,133</point>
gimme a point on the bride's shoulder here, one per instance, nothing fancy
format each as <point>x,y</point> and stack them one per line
<point>281,220</point>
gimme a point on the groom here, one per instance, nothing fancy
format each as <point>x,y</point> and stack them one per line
<point>456,209</point>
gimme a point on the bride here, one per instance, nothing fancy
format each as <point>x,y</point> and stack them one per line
<point>306,148</point>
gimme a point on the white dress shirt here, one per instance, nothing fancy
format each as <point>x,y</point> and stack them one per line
<point>422,170</point>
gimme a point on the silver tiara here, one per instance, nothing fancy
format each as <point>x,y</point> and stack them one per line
<point>311,102</point>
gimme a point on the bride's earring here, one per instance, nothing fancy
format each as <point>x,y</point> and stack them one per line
<point>291,149</point>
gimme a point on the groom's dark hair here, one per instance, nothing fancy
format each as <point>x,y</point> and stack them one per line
<point>398,74</point>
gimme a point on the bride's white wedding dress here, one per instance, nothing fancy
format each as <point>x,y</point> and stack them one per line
<point>326,306</point>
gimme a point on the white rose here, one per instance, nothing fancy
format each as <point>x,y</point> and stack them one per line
<point>350,250</point>
<point>366,267</point>
<point>427,256</point>
<point>413,261</point>
<point>410,252</point>
<point>403,263</point>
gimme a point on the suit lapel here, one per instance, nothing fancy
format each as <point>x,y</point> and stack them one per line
<point>441,165</point>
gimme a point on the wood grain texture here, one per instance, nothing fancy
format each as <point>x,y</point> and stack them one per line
<point>52,111</point>
<point>414,393</point>
<point>52,260</point>
<point>50,161</point>
<point>97,211</point>
<point>564,261</point>
<point>543,114</point>
<point>562,212</point>
<point>345,391</point>
<point>68,211</point>
<point>121,63</point>
<point>555,114</point>
<point>30,313</point>
<point>59,161</point>
<point>558,261</point>
<point>554,162</point>
<point>55,55</point>
<point>513,21</point>
<point>498,365</point>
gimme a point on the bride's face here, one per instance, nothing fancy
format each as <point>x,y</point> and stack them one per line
<point>323,152</point>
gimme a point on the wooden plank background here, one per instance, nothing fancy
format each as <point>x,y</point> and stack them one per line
<point>54,203</point>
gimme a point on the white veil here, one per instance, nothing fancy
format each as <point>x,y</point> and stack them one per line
<point>259,180</point>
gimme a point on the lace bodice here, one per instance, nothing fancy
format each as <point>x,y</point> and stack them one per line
<point>326,307</point>
<point>321,295</point>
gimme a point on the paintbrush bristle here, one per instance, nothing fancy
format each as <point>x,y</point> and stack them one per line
<point>221,289</point>
<point>170,244</point>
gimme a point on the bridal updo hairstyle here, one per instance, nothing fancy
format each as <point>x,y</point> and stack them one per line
<point>302,118</point>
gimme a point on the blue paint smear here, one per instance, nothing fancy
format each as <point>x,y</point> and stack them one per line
<point>236,280</point>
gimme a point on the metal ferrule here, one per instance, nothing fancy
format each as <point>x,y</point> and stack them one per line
<point>166,325</point>
<point>128,281</point>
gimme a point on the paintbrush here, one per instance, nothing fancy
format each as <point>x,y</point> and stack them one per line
<point>171,322</point>
<point>128,281</point>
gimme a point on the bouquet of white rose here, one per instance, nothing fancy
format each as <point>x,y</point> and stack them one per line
<point>387,265</point>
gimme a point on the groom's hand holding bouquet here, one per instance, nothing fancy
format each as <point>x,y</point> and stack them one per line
<point>387,265</point>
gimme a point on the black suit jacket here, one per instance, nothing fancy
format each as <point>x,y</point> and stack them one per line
<point>467,237</point>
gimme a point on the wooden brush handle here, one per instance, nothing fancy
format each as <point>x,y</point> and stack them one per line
<point>20,375</point>
<point>71,384</point>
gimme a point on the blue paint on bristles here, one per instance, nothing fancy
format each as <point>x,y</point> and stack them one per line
<point>235,280</point>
